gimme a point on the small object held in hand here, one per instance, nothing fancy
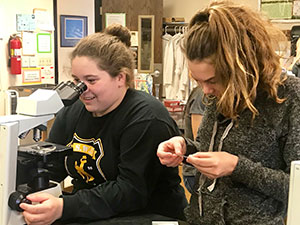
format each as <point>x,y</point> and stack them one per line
<point>184,159</point>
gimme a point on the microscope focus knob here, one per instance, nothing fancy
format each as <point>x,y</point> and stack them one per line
<point>15,199</point>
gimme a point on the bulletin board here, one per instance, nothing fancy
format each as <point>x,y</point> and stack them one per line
<point>36,31</point>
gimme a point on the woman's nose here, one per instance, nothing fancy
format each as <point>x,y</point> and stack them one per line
<point>207,90</point>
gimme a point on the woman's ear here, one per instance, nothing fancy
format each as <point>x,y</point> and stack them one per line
<point>121,78</point>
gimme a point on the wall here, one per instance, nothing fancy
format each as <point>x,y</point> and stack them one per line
<point>8,11</point>
<point>134,8</point>
<point>187,8</point>
<point>78,8</point>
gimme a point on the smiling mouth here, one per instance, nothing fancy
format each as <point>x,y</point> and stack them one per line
<point>88,98</point>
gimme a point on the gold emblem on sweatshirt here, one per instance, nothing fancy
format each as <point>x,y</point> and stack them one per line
<point>92,153</point>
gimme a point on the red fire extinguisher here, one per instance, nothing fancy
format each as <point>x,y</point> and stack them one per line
<point>15,60</point>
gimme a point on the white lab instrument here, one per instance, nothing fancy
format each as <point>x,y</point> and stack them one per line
<point>293,217</point>
<point>33,111</point>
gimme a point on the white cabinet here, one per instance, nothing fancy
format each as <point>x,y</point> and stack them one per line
<point>294,195</point>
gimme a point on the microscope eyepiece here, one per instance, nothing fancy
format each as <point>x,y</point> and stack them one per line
<point>69,92</point>
<point>80,87</point>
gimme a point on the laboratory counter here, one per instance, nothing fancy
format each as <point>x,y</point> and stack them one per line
<point>146,219</point>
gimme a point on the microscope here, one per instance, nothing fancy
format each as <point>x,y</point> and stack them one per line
<point>24,169</point>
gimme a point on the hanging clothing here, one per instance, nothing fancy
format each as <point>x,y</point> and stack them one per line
<point>175,71</point>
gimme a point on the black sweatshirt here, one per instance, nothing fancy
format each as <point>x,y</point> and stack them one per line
<point>114,165</point>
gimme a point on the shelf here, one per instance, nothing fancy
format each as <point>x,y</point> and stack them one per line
<point>287,21</point>
<point>175,23</point>
<point>286,24</point>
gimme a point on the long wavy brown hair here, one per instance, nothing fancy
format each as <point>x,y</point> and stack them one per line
<point>241,44</point>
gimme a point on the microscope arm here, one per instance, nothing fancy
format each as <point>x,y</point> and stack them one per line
<point>26,123</point>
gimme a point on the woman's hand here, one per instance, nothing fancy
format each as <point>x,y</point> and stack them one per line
<point>171,152</point>
<point>213,164</point>
<point>46,212</point>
